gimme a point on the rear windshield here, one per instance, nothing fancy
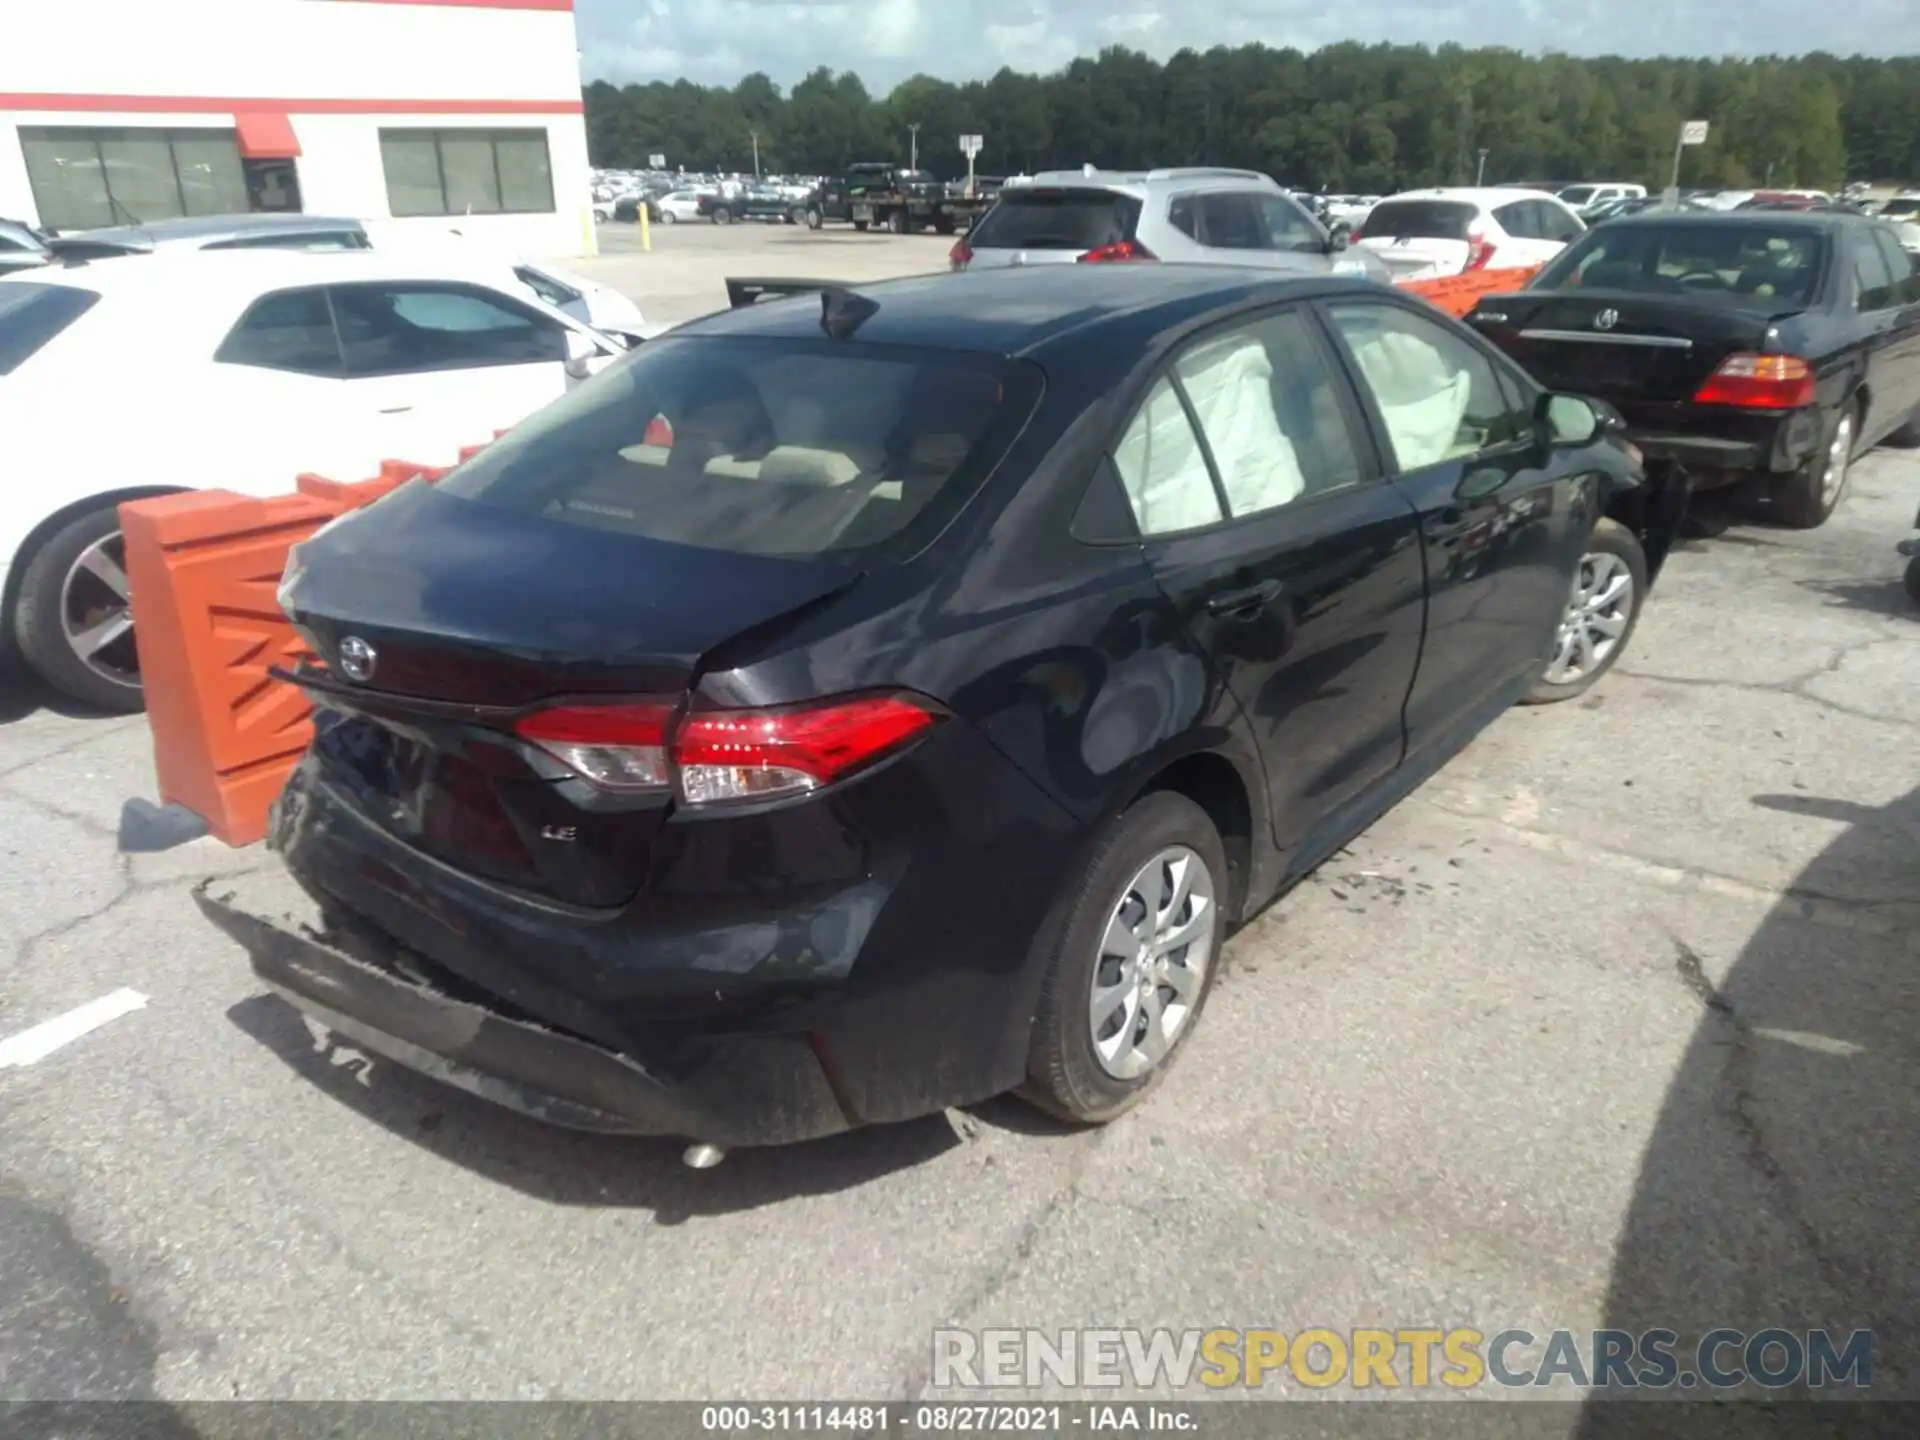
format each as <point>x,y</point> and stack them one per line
<point>1056,220</point>
<point>756,446</point>
<point>1577,194</point>
<point>1745,263</point>
<point>31,315</point>
<point>1418,220</point>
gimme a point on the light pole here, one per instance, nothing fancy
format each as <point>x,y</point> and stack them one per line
<point>1480,175</point>
<point>913,142</point>
<point>754,135</point>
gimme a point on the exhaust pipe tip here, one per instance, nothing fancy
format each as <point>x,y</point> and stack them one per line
<point>702,1157</point>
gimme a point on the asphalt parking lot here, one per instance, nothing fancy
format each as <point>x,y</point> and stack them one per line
<point>1615,1022</point>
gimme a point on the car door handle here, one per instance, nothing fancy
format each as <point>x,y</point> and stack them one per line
<point>1245,600</point>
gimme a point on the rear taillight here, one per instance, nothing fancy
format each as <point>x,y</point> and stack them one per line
<point>961,255</point>
<point>1479,250</point>
<point>1759,382</point>
<point>1119,250</point>
<point>617,747</point>
<point>725,755</point>
<point>753,754</point>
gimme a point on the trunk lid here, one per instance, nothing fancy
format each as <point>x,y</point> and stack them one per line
<point>475,614</point>
<point>1417,257</point>
<point>1623,346</point>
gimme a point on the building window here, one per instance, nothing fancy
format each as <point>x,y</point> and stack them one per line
<point>467,172</point>
<point>84,178</point>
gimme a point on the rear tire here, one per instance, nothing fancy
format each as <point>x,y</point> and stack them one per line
<point>944,225</point>
<point>1071,1072</point>
<point>722,215</point>
<point>860,225</point>
<point>814,218</point>
<point>1805,498</point>
<point>53,591</point>
<point>1597,607</point>
<point>897,223</point>
<point>667,217</point>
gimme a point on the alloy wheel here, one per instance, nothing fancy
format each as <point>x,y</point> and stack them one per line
<point>1598,612</point>
<point>1839,456</point>
<point>1153,958</point>
<point>96,611</point>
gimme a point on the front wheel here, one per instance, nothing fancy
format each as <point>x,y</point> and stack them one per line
<point>667,217</point>
<point>814,218</point>
<point>722,215</point>
<point>944,225</point>
<point>1609,587</point>
<point>1133,961</point>
<point>1805,498</point>
<point>860,225</point>
<point>74,616</point>
<point>897,223</point>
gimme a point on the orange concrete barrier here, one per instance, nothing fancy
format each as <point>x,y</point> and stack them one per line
<point>1457,294</point>
<point>205,567</point>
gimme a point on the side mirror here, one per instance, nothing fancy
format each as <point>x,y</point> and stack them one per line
<point>581,353</point>
<point>1566,420</point>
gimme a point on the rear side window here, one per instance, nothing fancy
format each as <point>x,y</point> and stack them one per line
<point>406,329</point>
<point>1056,220</point>
<point>1418,220</point>
<point>1518,220</point>
<point>1872,277</point>
<point>1905,267</point>
<point>761,447</point>
<point>31,315</point>
<point>291,330</point>
<point>545,286</point>
<point>300,240</point>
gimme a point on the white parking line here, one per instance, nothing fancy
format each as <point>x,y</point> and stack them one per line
<point>45,1038</point>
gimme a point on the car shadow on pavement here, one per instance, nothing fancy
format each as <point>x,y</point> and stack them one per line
<point>569,1167</point>
<point>1878,597</point>
<point>22,693</point>
<point>1780,1185</point>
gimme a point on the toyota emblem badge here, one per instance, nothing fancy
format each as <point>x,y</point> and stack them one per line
<point>1606,320</point>
<point>357,659</point>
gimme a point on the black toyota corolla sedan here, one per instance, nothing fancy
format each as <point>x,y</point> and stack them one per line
<point>1757,345</point>
<point>863,703</point>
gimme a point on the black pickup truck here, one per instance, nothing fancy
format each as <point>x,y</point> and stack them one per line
<point>752,203</point>
<point>887,196</point>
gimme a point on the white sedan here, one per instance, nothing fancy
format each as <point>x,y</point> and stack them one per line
<point>238,371</point>
<point>680,205</point>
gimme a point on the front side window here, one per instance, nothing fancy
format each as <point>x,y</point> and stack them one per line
<point>762,447</point>
<point>1289,227</point>
<point>467,172</point>
<point>405,329</point>
<point>31,315</point>
<point>84,179</point>
<point>1266,402</point>
<point>1438,397</point>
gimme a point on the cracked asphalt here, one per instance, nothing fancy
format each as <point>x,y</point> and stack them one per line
<point>1614,1022</point>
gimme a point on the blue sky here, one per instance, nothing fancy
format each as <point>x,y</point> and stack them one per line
<point>718,41</point>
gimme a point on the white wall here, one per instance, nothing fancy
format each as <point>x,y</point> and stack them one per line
<point>336,55</point>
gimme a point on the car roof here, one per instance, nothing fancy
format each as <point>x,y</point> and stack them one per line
<point>1487,195</point>
<point>206,229</point>
<point>1026,310</point>
<point>209,273</point>
<point>1750,219</point>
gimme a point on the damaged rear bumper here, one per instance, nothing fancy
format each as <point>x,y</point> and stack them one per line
<point>749,1090</point>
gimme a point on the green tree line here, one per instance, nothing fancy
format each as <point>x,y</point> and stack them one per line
<point>1351,117</point>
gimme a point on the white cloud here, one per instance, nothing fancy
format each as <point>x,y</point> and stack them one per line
<point>717,41</point>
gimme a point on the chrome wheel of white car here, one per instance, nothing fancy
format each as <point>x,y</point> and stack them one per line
<point>667,217</point>
<point>1153,959</point>
<point>73,615</point>
<point>96,612</point>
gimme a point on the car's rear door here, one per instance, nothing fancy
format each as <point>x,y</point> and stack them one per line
<point>1296,568</point>
<point>1897,389</point>
<point>1502,527</point>
<point>445,364</point>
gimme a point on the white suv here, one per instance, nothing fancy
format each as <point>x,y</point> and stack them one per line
<point>1202,216</point>
<point>1421,234</point>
